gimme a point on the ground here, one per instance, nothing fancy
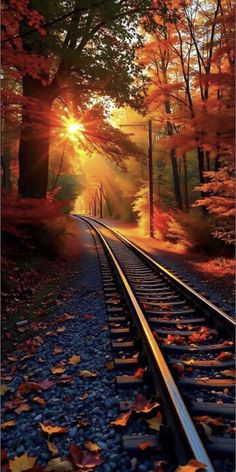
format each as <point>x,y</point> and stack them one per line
<point>55,362</point>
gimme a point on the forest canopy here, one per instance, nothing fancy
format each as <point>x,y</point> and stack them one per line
<point>74,73</point>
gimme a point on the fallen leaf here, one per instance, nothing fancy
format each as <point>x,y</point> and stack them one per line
<point>92,447</point>
<point>57,369</point>
<point>145,445</point>
<point>189,362</point>
<point>172,339</point>
<point>39,400</point>
<point>52,448</point>
<point>57,350</point>
<point>139,372</point>
<point>49,429</point>
<point>142,405</point>
<point>228,373</point>
<point>66,379</point>
<point>12,357</point>
<point>7,424</point>
<point>207,429</point>
<point>122,420</point>
<point>57,465</point>
<point>84,459</point>
<point>224,356</point>
<point>192,466</point>
<point>21,463</point>
<point>87,373</point>
<point>88,316</point>
<point>109,365</point>
<point>156,422</point>
<point>22,407</point>
<point>4,389</point>
<point>43,385</point>
<point>61,329</point>
<point>74,360</point>
<point>84,396</point>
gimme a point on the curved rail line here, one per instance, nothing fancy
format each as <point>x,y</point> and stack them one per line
<point>188,436</point>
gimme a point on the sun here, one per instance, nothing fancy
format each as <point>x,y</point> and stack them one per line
<point>74,127</point>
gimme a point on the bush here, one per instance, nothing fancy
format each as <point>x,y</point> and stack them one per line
<point>34,223</point>
<point>195,230</point>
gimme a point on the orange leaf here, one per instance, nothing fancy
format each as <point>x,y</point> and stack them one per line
<point>52,429</point>
<point>109,365</point>
<point>224,356</point>
<point>144,445</point>
<point>192,466</point>
<point>52,448</point>
<point>57,350</point>
<point>92,447</point>
<point>22,407</point>
<point>21,463</point>
<point>58,369</point>
<point>87,373</point>
<point>228,373</point>
<point>122,420</point>
<point>83,459</point>
<point>61,329</point>
<point>142,405</point>
<point>74,360</point>
<point>39,400</point>
<point>7,424</point>
<point>156,422</point>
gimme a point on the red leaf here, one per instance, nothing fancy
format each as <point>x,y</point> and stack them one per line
<point>84,459</point>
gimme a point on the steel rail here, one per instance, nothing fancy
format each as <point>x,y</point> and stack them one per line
<point>197,297</point>
<point>185,422</point>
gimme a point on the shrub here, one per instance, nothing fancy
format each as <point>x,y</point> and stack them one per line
<point>195,230</point>
<point>34,223</point>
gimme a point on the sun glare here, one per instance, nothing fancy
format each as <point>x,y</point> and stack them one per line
<point>74,127</point>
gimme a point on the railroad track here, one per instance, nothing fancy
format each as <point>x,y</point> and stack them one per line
<point>182,345</point>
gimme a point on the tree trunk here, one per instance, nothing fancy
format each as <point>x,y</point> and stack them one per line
<point>200,154</point>
<point>186,182</point>
<point>6,175</point>
<point>34,140</point>
<point>178,196</point>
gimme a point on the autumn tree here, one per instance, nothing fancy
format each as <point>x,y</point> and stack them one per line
<point>88,49</point>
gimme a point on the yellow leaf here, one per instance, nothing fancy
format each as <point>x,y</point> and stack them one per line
<point>7,424</point>
<point>4,389</point>
<point>49,429</point>
<point>74,359</point>
<point>58,369</point>
<point>24,462</point>
<point>189,362</point>
<point>191,466</point>
<point>92,447</point>
<point>156,422</point>
<point>87,373</point>
<point>52,448</point>
<point>57,465</point>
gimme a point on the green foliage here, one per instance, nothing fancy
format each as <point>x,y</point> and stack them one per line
<point>68,190</point>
